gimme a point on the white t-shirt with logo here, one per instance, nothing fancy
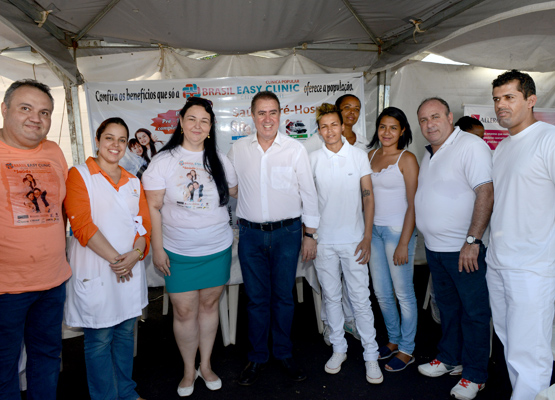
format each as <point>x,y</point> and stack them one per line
<point>193,223</point>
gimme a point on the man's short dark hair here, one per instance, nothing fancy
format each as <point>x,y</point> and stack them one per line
<point>264,95</point>
<point>30,83</point>
<point>436,99</point>
<point>466,123</point>
<point>526,84</point>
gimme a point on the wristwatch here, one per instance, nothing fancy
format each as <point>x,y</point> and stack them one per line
<point>472,240</point>
<point>311,235</point>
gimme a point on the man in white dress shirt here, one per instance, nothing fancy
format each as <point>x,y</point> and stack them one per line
<point>275,190</point>
<point>521,254</point>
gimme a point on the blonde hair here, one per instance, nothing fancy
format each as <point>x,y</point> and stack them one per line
<point>327,108</point>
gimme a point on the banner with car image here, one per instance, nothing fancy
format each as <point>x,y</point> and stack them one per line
<point>151,108</point>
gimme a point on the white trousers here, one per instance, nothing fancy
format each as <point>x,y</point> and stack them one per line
<point>330,262</point>
<point>347,308</point>
<point>522,307</point>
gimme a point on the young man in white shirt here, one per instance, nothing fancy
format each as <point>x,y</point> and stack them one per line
<point>275,190</point>
<point>521,254</point>
<point>342,176</point>
<point>349,107</point>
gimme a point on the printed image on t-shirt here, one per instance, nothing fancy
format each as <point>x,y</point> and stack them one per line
<point>194,183</point>
<point>33,189</point>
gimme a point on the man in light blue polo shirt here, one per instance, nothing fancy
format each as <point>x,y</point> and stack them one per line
<point>453,205</point>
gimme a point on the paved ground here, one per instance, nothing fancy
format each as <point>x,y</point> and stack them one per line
<point>158,366</point>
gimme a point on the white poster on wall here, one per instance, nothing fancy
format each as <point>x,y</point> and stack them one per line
<point>495,133</point>
<point>151,108</point>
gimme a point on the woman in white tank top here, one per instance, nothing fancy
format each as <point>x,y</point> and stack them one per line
<point>394,181</point>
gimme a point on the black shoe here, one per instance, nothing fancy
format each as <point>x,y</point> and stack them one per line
<point>293,370</point>
<point>250,374</point>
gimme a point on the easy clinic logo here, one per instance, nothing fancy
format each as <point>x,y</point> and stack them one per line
<point>191,90</point>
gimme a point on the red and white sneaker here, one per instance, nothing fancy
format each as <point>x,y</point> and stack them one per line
<point>437,368</point>
<point>466,390</point>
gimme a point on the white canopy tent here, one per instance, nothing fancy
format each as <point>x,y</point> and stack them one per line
<point>121,40</point>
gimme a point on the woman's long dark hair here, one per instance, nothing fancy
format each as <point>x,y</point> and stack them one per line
<point>399,115</point>
<point>151,144</point>
<point>210,159</point>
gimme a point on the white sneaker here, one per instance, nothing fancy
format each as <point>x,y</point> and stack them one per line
<point>333,366</point>
<point>350,327</point>
<point>326,334</point>
<point>466,390</point>
<point>437,368</point>
<point>373,372</point>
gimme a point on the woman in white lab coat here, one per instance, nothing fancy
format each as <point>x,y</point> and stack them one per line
<point>109,216</point>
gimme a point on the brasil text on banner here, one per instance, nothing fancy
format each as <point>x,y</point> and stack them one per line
<point>154,106</point>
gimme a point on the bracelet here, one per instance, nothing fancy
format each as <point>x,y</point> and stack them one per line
<point>141,253</point>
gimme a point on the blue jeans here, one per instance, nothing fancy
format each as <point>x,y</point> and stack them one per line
<point>463,302</point>
<point>390,280</point>
<point>36,318</point>
<point>269,265</point>
<point>109,361</point>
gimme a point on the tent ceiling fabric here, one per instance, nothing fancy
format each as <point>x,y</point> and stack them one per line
<point>488,15</point>
<point>517,33</point>
<point>525,42</point>
<point>48,46</point>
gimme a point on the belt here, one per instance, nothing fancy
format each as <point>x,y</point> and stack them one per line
<point>268,226</point>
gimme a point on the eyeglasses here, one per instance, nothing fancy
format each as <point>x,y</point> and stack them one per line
<point>199,100</point>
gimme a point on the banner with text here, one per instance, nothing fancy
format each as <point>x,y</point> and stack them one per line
<point>151,108</point>
<point>495,133</point>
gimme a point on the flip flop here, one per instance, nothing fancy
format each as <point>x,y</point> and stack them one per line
<point>396,364</point>
<point>386,352</point>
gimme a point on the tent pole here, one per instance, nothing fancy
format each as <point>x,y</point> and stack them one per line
<point>384,86</point>
<point>74,121</point>
<point>73,114</point>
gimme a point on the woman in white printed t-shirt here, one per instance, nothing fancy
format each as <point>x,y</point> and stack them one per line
<point>191,235</point>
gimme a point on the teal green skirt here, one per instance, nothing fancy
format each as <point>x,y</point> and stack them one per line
<point>195,273</point>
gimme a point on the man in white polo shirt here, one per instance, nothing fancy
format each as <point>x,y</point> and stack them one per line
<point>342,177</point>
<point>453,205</point>
<point>275,190</point>
<point>521,255</point>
